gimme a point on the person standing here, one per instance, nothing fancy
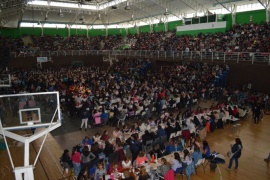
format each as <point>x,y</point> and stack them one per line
<point>236,149</point>
<point>76,160</point>
<point>256,113</point>
<point>85,116</point>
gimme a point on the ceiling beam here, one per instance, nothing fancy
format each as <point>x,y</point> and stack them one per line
<point>262,3</point>
<point>222,4</point>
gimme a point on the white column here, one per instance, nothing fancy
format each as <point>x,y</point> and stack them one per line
<point>166,26</point>
<point>267,9</point>
<point>42,33</point>
<point>138,29</point>
<point>233,12</point>
<point>151,27</point>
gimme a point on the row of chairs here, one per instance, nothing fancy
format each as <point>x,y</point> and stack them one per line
<point>188,171</point>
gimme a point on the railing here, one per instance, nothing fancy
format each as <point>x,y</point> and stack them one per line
<point>177,55</point>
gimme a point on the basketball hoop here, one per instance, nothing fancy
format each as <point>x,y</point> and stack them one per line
<point>30,117</point>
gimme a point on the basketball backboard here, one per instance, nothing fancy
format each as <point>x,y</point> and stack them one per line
<point>25,112</point>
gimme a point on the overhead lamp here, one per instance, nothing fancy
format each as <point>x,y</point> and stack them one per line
<point>38,22</point>
<point>132,17</point>
<point>82,18</point>
<point>99,17</point>
<point>166,13</point>
<point>60,13</point>
<point>127,6</point>
<point>46,18</point>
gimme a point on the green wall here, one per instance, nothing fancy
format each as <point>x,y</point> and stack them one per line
<point>258,17</point>
<point>241,17</point>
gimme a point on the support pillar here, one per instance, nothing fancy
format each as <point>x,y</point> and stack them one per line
<point>42,32</point>
<point>233,12</point>
<point>267,9</point>
<point>106,30</point>
<point>151,28</point>
<point>166,26</point>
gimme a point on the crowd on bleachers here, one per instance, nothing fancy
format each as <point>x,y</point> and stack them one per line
<point>47,42</point>
<point>241,38</point>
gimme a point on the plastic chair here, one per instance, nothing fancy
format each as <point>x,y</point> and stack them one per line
<point>200,163</point>
<point>147,145</point>
<point>172,135</point>
<point>178,134</point>
<point>122,120</point>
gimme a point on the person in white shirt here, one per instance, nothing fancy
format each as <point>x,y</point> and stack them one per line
<point>126,163</point>
<point>187,157</point>
<point>145,127</point>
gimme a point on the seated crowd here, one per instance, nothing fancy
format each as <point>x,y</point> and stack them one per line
<point>249,37</point>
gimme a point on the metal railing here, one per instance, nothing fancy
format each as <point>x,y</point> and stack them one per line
<point>177,55</point>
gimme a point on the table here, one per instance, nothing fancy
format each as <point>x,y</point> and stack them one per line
<point>121,174</point>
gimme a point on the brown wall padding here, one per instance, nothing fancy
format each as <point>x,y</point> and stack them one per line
<point>21,62</point>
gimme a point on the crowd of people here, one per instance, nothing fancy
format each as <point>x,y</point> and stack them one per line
<point>241,38</point>
<point>129,87</point>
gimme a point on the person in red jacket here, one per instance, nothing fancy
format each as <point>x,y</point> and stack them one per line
<point>76,160</point>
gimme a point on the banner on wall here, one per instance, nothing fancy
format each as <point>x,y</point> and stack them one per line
<point>42,59</point>
<point>212,25</point>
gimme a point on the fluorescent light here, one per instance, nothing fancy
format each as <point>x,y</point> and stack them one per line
<point>75,5</point>
<point>76,26</point>
<point>99,27</point>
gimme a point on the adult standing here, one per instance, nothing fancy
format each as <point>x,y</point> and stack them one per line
<point>85,116</point>
<point>256,113</point>
<point>236,149</point>
<point>76,160</point>
<point>86,157</point>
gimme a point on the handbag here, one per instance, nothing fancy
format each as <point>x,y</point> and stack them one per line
<point>230,154</point>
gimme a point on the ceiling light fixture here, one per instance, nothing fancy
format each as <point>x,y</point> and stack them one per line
<point>127,6</point>
<point>166,12</point>
<point>60,13</point>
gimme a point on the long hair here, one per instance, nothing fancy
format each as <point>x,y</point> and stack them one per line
<point>177,157</point>
<point>205,144</point>
<point>143,171</point>
<point>165,162</point>
<point>238,141</point>
<point>186,153</point>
